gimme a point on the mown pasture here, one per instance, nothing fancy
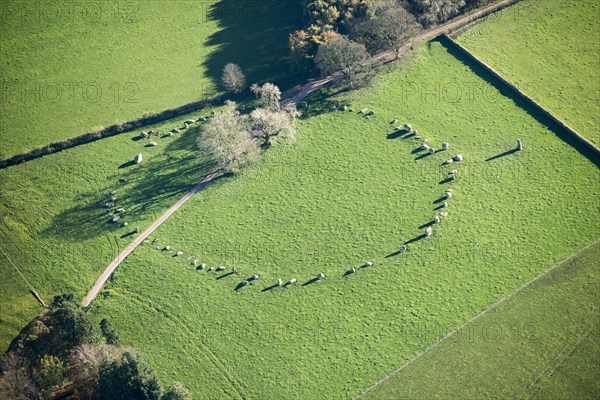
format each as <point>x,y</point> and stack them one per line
<point>541,343</point>
<point>353,190</point>
<point>54,225</point>
<point>549,49</point>
<point>74,67</point>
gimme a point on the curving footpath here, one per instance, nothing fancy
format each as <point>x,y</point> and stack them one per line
<point>298,93</point>
<point>291,96</point>
<point>91,295</point>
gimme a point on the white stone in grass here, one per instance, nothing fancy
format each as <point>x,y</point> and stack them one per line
<point>428,232</point>
<point>453,172</point>
<point>394,121</point>
<point>120,210</point>
<point>221,268</point>
<point>425,146</point>
<point>138,159</point>
<point>125,223</point>
<point>211,269</point>
<point>137,229</point>
<point>445,146</point>
<point>185,126</point>
<point>431,151</point>
<point>448,195</point>
<point>445,204</point>
<point>279,282</point>
<point>234,270</point>
<point>179,253</point>
<point>444,214</point>
<point>437,219</point>
<point>369,263</point>
<point>351,271</point>
<point>194,262</point>
<point>447,162</point>
<point>113,192</point>
<point>291,281</point>
<point>151,144</point>
<point>403,249</point>
<point>458,157</point>
<point>190,121</point>
<point>109,204</point>
<point>519,145</point>
<point>408,127</point>
<point>202,266</point>
<point>167,248</point>
<point>144,135</point>
<point>320,276</point>
<point>115,218</point>
<point>364,111</point>
<point>254,277</point>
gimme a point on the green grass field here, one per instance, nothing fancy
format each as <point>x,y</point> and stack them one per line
<point>347,193</point>
<point>53,223</point>
<point>73,67</point>
<point>549,49</point>
<point>542,343</point>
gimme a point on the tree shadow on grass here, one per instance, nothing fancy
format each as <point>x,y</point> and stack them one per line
<point>149,187</point>
<point>254,35</point>
<point>321,102</point>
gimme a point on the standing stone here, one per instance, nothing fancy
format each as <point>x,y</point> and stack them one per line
<point>519,145</point>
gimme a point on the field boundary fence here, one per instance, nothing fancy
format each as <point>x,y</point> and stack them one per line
<point>569,135</point>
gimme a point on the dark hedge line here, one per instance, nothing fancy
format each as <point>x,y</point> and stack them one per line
<point>112,130</point>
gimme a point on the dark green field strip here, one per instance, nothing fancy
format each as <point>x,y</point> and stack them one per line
<point>530,346</point>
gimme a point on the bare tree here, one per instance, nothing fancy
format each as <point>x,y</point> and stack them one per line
<point>228,138</point>
<point>431,12</point>
<point>233,78</point>
<point>343,56</point>
<point>15,379</point>
<point>269,94</point>
<point>16,384</point>
<point>84,367</point>
<point>268,125</point>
